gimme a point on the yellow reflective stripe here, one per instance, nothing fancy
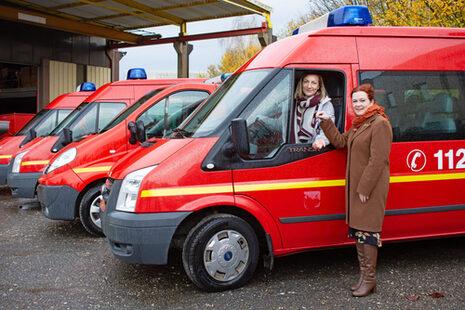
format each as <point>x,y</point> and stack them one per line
<point>427,177</point>
<point>5,156</point>
<point>197,190</point>
<point>92,169</point>
<point>287,185</point>
<point>202,190</point>
<point>34,162</point>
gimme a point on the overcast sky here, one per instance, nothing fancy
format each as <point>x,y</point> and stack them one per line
<point>163,58</point>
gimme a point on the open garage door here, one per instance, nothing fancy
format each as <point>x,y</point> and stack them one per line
<point>18,88</point>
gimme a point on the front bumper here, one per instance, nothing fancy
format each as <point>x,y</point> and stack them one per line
<point>3,173</point>
<point>23,185</point>
<point>58,202</point>
<point>139,238</point>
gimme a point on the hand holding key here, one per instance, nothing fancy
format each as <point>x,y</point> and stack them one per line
<point>322,116</point>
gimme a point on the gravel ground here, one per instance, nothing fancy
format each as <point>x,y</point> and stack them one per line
<point>47,264</point>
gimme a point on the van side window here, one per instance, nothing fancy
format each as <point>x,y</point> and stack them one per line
<point>422,106</point>
<point>96,118</point>
<point>178,107</point>
<point>268,122</point>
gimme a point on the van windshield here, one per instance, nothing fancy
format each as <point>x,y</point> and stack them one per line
<point>68,119</point>
<point>222,103</point>
<point>94,117</point>
<point>34,121</point>
<point>125,114</point>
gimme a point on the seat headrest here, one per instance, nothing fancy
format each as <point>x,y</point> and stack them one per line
<point>334,87</point>
<point>442,103</point>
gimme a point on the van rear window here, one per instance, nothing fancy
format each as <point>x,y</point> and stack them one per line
<point>422,106</point>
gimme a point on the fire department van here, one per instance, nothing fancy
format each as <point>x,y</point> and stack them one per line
<point>70,186</point>
<point>232,189</point>
<point>89,118</point>
<point>41,124</point>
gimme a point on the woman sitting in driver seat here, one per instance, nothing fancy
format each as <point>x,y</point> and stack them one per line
<point>311,97</point>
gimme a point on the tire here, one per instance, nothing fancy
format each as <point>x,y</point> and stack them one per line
<point>220,253</point>
<point>89,211</point>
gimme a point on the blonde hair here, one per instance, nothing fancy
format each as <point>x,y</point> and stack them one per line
<point>299,92</point>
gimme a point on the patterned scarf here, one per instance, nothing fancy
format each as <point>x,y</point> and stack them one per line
<point>360,119</point>
<point>308,102</point>
<point>302,105</point>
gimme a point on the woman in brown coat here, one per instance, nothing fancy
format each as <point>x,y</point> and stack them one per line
<point>368,144</point>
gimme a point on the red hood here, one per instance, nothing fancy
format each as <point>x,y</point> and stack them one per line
<point>8,148</point>
<point>143,157</point>
<point>39,149</point>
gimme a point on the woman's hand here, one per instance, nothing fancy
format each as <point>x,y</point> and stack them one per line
<point>322,116</point>
<point>363,198</point>
<point>319,144</point>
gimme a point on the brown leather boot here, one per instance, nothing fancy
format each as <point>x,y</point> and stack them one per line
<point>368,284</point>
<point>359,247</point>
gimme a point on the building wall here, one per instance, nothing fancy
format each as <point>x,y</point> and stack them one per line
<point>62,78</point>
<point>98,75</point>
<point>57,61</point>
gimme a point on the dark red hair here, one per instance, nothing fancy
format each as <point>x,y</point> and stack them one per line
<point>367,88</point>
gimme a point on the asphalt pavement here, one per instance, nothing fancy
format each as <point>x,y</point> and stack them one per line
<point>46,264</point>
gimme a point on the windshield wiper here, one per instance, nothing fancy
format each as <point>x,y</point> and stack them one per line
<point>182,132</point>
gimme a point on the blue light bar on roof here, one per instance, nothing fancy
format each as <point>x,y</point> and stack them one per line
<point>136,74</point>
<point>350,15</point>
<point>87,86</point>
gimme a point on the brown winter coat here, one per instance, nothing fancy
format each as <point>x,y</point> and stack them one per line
<point>367,170</point>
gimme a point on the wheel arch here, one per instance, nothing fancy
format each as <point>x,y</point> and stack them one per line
<point>266,230</point>
<point>83,192</point>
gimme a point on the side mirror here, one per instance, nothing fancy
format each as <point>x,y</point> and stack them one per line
<point>240,136</point>
<point>132,130</point>
<point>67,136</point>
<point>140,131</point>
<point>31,135</point>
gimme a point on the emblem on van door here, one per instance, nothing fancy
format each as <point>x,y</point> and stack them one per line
<point>416,160</point>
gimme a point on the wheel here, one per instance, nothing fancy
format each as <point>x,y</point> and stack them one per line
<point>220,253</point>
<point>89,211</point>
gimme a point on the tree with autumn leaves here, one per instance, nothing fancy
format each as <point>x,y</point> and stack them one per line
<point>418,13</point>
<point>238,50</point>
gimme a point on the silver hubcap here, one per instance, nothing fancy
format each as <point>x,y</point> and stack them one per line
<point>226,255</point>
<point>95,211</point>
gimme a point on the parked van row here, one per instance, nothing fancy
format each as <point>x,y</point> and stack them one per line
<point>41,125</point>
<point>80,157</point>
<point>70,186</point>
<point>228,191</point>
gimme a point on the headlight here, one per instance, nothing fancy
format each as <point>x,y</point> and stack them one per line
<point>65,158</point>
<point>127,196</point>
<point>17,162</point>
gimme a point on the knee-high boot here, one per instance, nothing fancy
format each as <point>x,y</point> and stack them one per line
<point>368,285</point>
<point>359,247</point>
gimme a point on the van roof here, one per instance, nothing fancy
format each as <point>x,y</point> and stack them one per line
<point>336,45</point>
<point>69,100</point>
<point>115,89</point>
<point>155,81</point>
<point>429,32</point>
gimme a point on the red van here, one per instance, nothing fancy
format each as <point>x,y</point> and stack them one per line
<point>231,189</point>
<point>88,119</point>
<point>70,186</point>
<point>41,124</point>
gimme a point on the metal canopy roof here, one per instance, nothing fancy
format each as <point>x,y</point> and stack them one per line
<point>123,20</point>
